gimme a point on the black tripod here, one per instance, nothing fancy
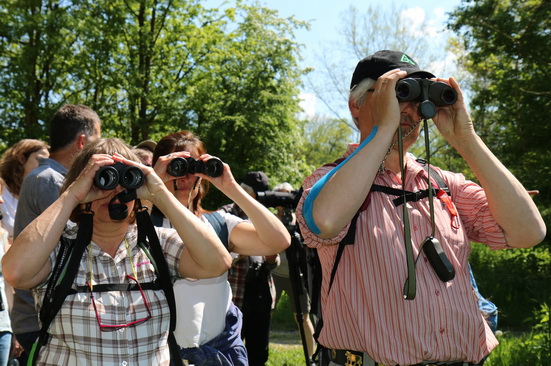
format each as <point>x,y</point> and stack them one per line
<point>297,259</point>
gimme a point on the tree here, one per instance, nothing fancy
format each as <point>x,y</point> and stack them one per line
<point>36,44</point>
<point>326,140</point>
<point>152,67</point>
<point>363,34</point>
<point>508,53</point>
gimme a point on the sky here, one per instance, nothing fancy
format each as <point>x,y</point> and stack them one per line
<point>325,18</point>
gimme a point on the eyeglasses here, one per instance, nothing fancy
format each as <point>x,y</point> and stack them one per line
<point>111,328</point>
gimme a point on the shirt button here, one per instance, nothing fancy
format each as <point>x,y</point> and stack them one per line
<point>124,363</point>
<point>442,330</point>
<point>437,292</point>
<point>121,330</point>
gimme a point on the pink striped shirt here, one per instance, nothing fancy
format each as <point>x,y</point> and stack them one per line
<point>365,310</point>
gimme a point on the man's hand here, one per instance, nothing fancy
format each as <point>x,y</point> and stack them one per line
<point>454,122</point>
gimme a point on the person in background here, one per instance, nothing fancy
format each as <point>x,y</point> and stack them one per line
<point>8,347</point>
<point>252,283</point>
<point>209,324</point>
<point>145,150</point>
<point>282,280</point>
<point>72,127</point>
<point>16,163</point>
<point>380,309</point>
<point>105,321</point>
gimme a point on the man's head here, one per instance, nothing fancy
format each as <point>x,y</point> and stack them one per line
<point>369,69</point>
<point>255,182</point>
<point>73,123</point>
<point>148,145</point>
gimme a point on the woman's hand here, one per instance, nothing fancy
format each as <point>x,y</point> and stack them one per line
<point>161,165</point>
<point>153,183</point>
<point>224,181</point>
<point>83,188</point>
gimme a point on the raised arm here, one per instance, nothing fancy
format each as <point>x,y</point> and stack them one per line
<point>204,255</point>
<point>509,202</point>
<point>265,235</point>
<point>336,198</point>
<point>26,263</point>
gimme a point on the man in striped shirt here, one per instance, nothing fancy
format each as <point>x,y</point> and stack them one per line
<point>365,314</point>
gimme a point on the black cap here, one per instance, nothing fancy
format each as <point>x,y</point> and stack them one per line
<point>258,181</point>
<point>380,62</point>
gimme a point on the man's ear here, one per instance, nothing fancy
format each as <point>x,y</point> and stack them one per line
<point>81,141</point>
<point>354,109</point>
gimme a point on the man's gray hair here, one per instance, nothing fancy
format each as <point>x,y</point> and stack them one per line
<point>285,186</point>
<point>358,94</point>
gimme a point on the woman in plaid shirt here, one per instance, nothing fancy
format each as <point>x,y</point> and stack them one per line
<point>115,327</point>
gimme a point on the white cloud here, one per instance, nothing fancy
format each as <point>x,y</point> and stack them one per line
<point>420,24</point>
<point>308,103</point>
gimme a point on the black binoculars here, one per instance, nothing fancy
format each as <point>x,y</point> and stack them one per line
<point>178,167</point>
<point>430,94</point>
<point>128,176</point>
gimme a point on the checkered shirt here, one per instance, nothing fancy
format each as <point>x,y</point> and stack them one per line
<point>75,336</point>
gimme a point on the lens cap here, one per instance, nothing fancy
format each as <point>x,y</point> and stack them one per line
<point>426,109</point>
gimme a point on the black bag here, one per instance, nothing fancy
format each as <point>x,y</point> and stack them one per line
<point>257,288</point>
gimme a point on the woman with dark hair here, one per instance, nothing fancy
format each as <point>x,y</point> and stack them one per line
<point>15,164</point>
<point>108,293</point>
<point>208,328</point>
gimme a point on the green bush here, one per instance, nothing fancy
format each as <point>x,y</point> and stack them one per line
<point>527,349</point>
<point>517,281</point>
<point>283,318</point>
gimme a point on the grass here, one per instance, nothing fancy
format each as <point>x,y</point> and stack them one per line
<point>285,343</point>
<point>285,349</point>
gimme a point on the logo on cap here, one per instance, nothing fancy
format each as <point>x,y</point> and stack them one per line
<point>405,58</point>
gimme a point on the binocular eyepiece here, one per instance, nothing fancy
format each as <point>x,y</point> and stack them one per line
<point>178,167</point>
<point>128,176</point>
<point>429,93</point>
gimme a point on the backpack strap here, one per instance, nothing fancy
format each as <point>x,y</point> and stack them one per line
<point>220,226</point>
<point>61,280</point>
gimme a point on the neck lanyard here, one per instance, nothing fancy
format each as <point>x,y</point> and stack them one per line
<point>128,255</point>
<point>410,286</point>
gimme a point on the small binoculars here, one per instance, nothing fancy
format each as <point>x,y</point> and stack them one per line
<point>430,94</point>
<point>178,167</point>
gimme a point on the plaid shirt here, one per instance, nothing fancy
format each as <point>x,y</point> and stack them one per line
<point>75,336</point>
<point>236,278</point>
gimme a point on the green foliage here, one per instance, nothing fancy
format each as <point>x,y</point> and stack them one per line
<point>283,317</point>
<point>530,349</point>
<point>151,68</point>
<point>517,281</point>
<point>326,140</point>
